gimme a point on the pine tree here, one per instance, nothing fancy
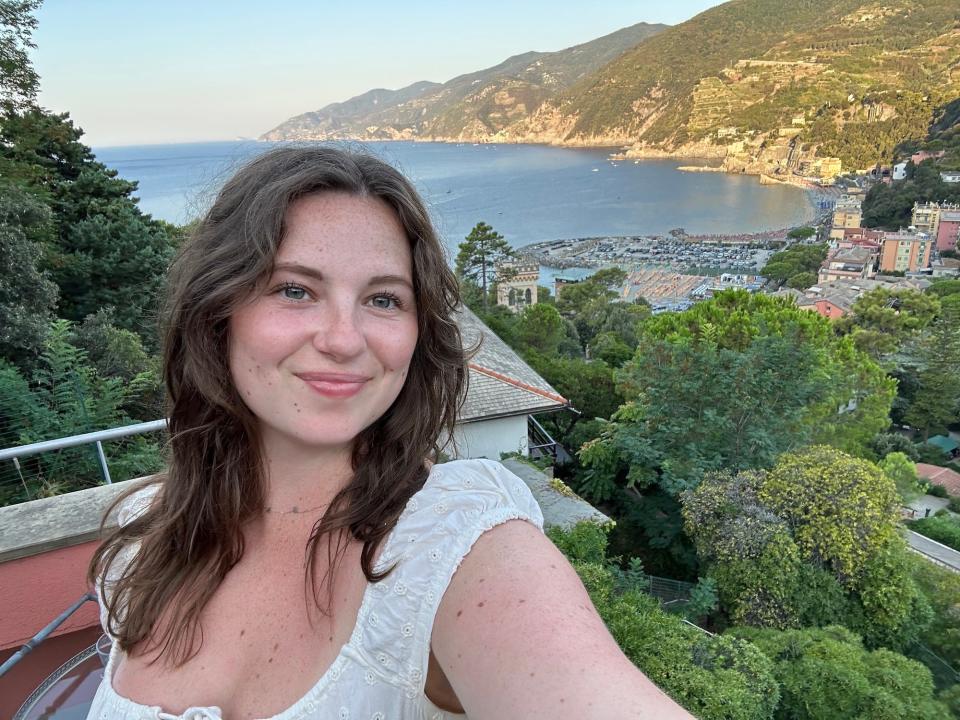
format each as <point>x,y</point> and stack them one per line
<point>480,254</point>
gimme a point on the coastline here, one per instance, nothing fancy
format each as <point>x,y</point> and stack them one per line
<point>621,150</point>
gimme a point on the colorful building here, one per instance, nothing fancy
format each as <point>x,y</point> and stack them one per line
<point>926,217</point>
<point>948,230</point>
<point>519,288</point>
<point>854,263</point>
<point>905,251</point>
<point>846,215</point>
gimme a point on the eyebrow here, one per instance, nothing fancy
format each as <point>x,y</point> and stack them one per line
<point>317,275</point>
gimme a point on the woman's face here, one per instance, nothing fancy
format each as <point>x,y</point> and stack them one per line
<point>323,349</point>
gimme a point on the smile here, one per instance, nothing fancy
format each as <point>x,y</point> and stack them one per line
<point>334,385</point>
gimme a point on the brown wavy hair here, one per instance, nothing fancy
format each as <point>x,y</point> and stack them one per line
<point>191,535</point>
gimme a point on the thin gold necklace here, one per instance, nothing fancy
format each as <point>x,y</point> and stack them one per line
<point>296,510</point>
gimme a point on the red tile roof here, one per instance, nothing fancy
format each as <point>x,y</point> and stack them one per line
<point>950,479</point>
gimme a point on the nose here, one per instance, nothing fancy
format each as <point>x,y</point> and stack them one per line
<point>339,332</point>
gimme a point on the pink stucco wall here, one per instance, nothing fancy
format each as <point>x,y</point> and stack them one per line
<point>35,590</point>
<point>38,588</point>
<point>947,234</point>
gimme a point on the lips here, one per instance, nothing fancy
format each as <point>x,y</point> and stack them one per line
<point>338,385</point>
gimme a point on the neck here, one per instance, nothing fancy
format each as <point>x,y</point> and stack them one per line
<point>303,478</point>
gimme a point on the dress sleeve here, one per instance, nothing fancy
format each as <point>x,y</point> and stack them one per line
<point>129,510</point>
<point>460,501</point>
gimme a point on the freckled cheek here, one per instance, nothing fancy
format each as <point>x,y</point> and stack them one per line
<point>396,353</point>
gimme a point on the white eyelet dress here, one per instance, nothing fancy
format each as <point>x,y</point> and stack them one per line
<point>380,673</point>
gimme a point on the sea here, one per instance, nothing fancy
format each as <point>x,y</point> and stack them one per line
<point>528,193</point>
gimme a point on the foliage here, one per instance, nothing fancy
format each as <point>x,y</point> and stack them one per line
<point>891,206</point>
<point>65,397</point>
<point>585,542</point>
<point>802,233</point>
<point>715,678</point>
<point>27,296</point>
<point>936,402</point>
<point>801,281</point>
<point>590,388</point>
<point>100,249</point>
<point>938,491</point>
<point>703,599</point>
<point>891,442</point>
<point>941,587</point>
<point>943,287</point>
<point>590,305</point>
<point>729,384</point>
<point>943,529</point>
<point>541,328</point>
<point>899,468</point>
<point>479,256</point>
<point>18,79</point>
<point>795,260</point>
<point>826,673</point>
<point>812,541</point>
<point>841,510</point>
<point>882,320</point>
<point>733,382</point>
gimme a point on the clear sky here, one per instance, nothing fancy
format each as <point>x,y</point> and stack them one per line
<point>133,72</point>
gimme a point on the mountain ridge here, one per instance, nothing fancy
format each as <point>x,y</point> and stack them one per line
<point>802,88</point>
<point>476,103</point>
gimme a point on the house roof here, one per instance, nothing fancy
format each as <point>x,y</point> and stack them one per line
<point>937,475</point>
<point>947,444</point>
<point>501,383</point>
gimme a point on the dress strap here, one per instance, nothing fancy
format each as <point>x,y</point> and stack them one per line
<point>459,502</point>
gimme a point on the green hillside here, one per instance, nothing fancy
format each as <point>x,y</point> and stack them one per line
<point>864,76</point>
<point>474,104</point>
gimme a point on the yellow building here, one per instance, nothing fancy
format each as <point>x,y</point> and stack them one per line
<point>827,168</point>
<point>519,289</point>
<point>846,214</point>
<point>926,218</point>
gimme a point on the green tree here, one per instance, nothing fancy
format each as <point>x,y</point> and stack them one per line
<point>479,256</point>
<point>802,233</point>
<point>100,249</point>
<point>540,327</point>
<point>902,470</point>
<point>28,298</point>
<point>729,384</point>
<point>735,381</point>
<point>812,541</point>
<point>794,260</point>
<point>826,674</point>
<point>941,587</point>
<point>943,287</point>
<point>18,79</point>
<point>882,320</point>
<point>801,281</point>
<point>937,400</point>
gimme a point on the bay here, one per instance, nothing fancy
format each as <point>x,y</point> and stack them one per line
<point>528,193</point>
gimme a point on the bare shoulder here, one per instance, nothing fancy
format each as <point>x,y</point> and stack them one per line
<point>518,637</point>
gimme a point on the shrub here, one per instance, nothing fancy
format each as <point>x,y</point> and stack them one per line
<point>943,529</point>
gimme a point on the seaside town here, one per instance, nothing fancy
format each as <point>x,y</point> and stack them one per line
<point>673,272</point>
<point>705,472</point>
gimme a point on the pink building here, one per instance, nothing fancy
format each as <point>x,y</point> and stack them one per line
<point>948,231</point>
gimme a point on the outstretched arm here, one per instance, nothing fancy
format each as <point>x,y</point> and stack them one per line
<point>518,637</point>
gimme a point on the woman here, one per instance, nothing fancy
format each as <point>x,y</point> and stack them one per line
<point>302,557</point>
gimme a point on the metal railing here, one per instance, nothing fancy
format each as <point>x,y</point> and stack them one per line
<point>43,634</point>
<point>95,439</point>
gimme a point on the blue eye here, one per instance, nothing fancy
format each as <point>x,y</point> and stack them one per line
<point>293,292</point>
<point>386,301</point>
